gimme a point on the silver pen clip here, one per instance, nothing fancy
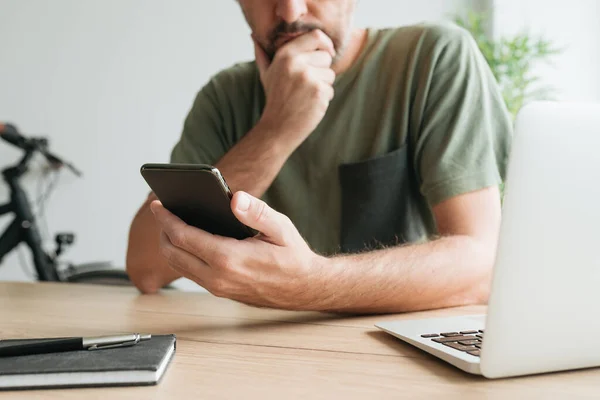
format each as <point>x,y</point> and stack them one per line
<point>113,342</point>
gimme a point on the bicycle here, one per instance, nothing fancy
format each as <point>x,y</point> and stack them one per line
<point>24,228</point>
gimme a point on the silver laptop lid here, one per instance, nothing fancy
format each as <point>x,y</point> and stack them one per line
<point>544,308</point>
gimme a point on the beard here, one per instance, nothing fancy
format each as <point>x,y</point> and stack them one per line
<point>298,28</point>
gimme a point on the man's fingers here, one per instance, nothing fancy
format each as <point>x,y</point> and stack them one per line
<point>262,61</point>
<point>325,75</point>
<point>186,264</point>
<point>311,41</point>
<point>257,214</point>
<point>201,244</point>
<point>319,59</point>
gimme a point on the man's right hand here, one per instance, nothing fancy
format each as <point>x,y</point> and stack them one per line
<point>298,84</point>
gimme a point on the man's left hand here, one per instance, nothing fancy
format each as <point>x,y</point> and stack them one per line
<point>275,269</point>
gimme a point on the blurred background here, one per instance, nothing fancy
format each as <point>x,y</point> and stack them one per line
<point>110,82</point>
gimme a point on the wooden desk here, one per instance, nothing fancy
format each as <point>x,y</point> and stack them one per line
<point>227,350</point>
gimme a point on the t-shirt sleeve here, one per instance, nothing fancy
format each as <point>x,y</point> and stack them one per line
<point>202,140</point>
<point>465,131</point>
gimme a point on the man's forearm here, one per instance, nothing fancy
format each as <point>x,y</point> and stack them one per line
<point>451,271</point>
<point>146,267</point>
<point>254,162</point>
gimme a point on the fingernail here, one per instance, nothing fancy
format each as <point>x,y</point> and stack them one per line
<point>243,202</point>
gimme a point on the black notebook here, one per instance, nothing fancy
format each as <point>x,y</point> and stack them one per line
<point>142,364</point>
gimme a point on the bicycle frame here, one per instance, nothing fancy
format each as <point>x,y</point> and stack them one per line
<point>23,228</point>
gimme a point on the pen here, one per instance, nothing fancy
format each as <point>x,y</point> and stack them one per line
<point>41,346</point>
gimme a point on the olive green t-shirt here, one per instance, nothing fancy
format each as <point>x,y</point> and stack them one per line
<point>416,120</point>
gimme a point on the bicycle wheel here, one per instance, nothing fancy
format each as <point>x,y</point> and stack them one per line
<point>100,273</point>
<point>112,278</point>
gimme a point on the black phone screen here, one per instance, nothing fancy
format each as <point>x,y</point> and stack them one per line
<point>198,195</point>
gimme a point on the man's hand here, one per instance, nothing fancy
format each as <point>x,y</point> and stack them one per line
<point>274,269</point>
<point>277,268</point>
<point>298,84</point>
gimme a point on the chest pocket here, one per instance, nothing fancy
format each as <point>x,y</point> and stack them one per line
<point>381,203</point>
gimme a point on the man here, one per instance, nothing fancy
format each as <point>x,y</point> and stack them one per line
<point>381,150</point>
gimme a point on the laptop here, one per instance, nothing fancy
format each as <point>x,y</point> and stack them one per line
<point>543,311</point>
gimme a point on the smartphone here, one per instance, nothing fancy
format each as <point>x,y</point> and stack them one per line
<point>198,194</point>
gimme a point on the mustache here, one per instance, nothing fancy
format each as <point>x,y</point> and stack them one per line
<point>283,28</point>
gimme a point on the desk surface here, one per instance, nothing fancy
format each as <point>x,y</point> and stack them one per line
<point>228,350</point>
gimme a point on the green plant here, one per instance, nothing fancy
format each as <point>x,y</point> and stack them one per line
<point>511,60</point>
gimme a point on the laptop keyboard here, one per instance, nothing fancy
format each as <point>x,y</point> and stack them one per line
<point>468,341</point>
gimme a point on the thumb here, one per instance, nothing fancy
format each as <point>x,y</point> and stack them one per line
<point>262,60</point>
<point>256,214</point>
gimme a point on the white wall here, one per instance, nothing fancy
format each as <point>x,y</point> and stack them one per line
<point>111,82</point>
<point>574,26</point>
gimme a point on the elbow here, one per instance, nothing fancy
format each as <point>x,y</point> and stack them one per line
<point>141,261</point>
<point>146,286</point>
<point>141,277</point>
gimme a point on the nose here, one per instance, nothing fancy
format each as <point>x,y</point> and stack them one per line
<point>291,10</point>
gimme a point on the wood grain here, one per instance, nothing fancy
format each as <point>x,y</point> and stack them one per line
<point>227,350</point>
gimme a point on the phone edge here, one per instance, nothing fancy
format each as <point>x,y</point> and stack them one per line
<point>198,167</point>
